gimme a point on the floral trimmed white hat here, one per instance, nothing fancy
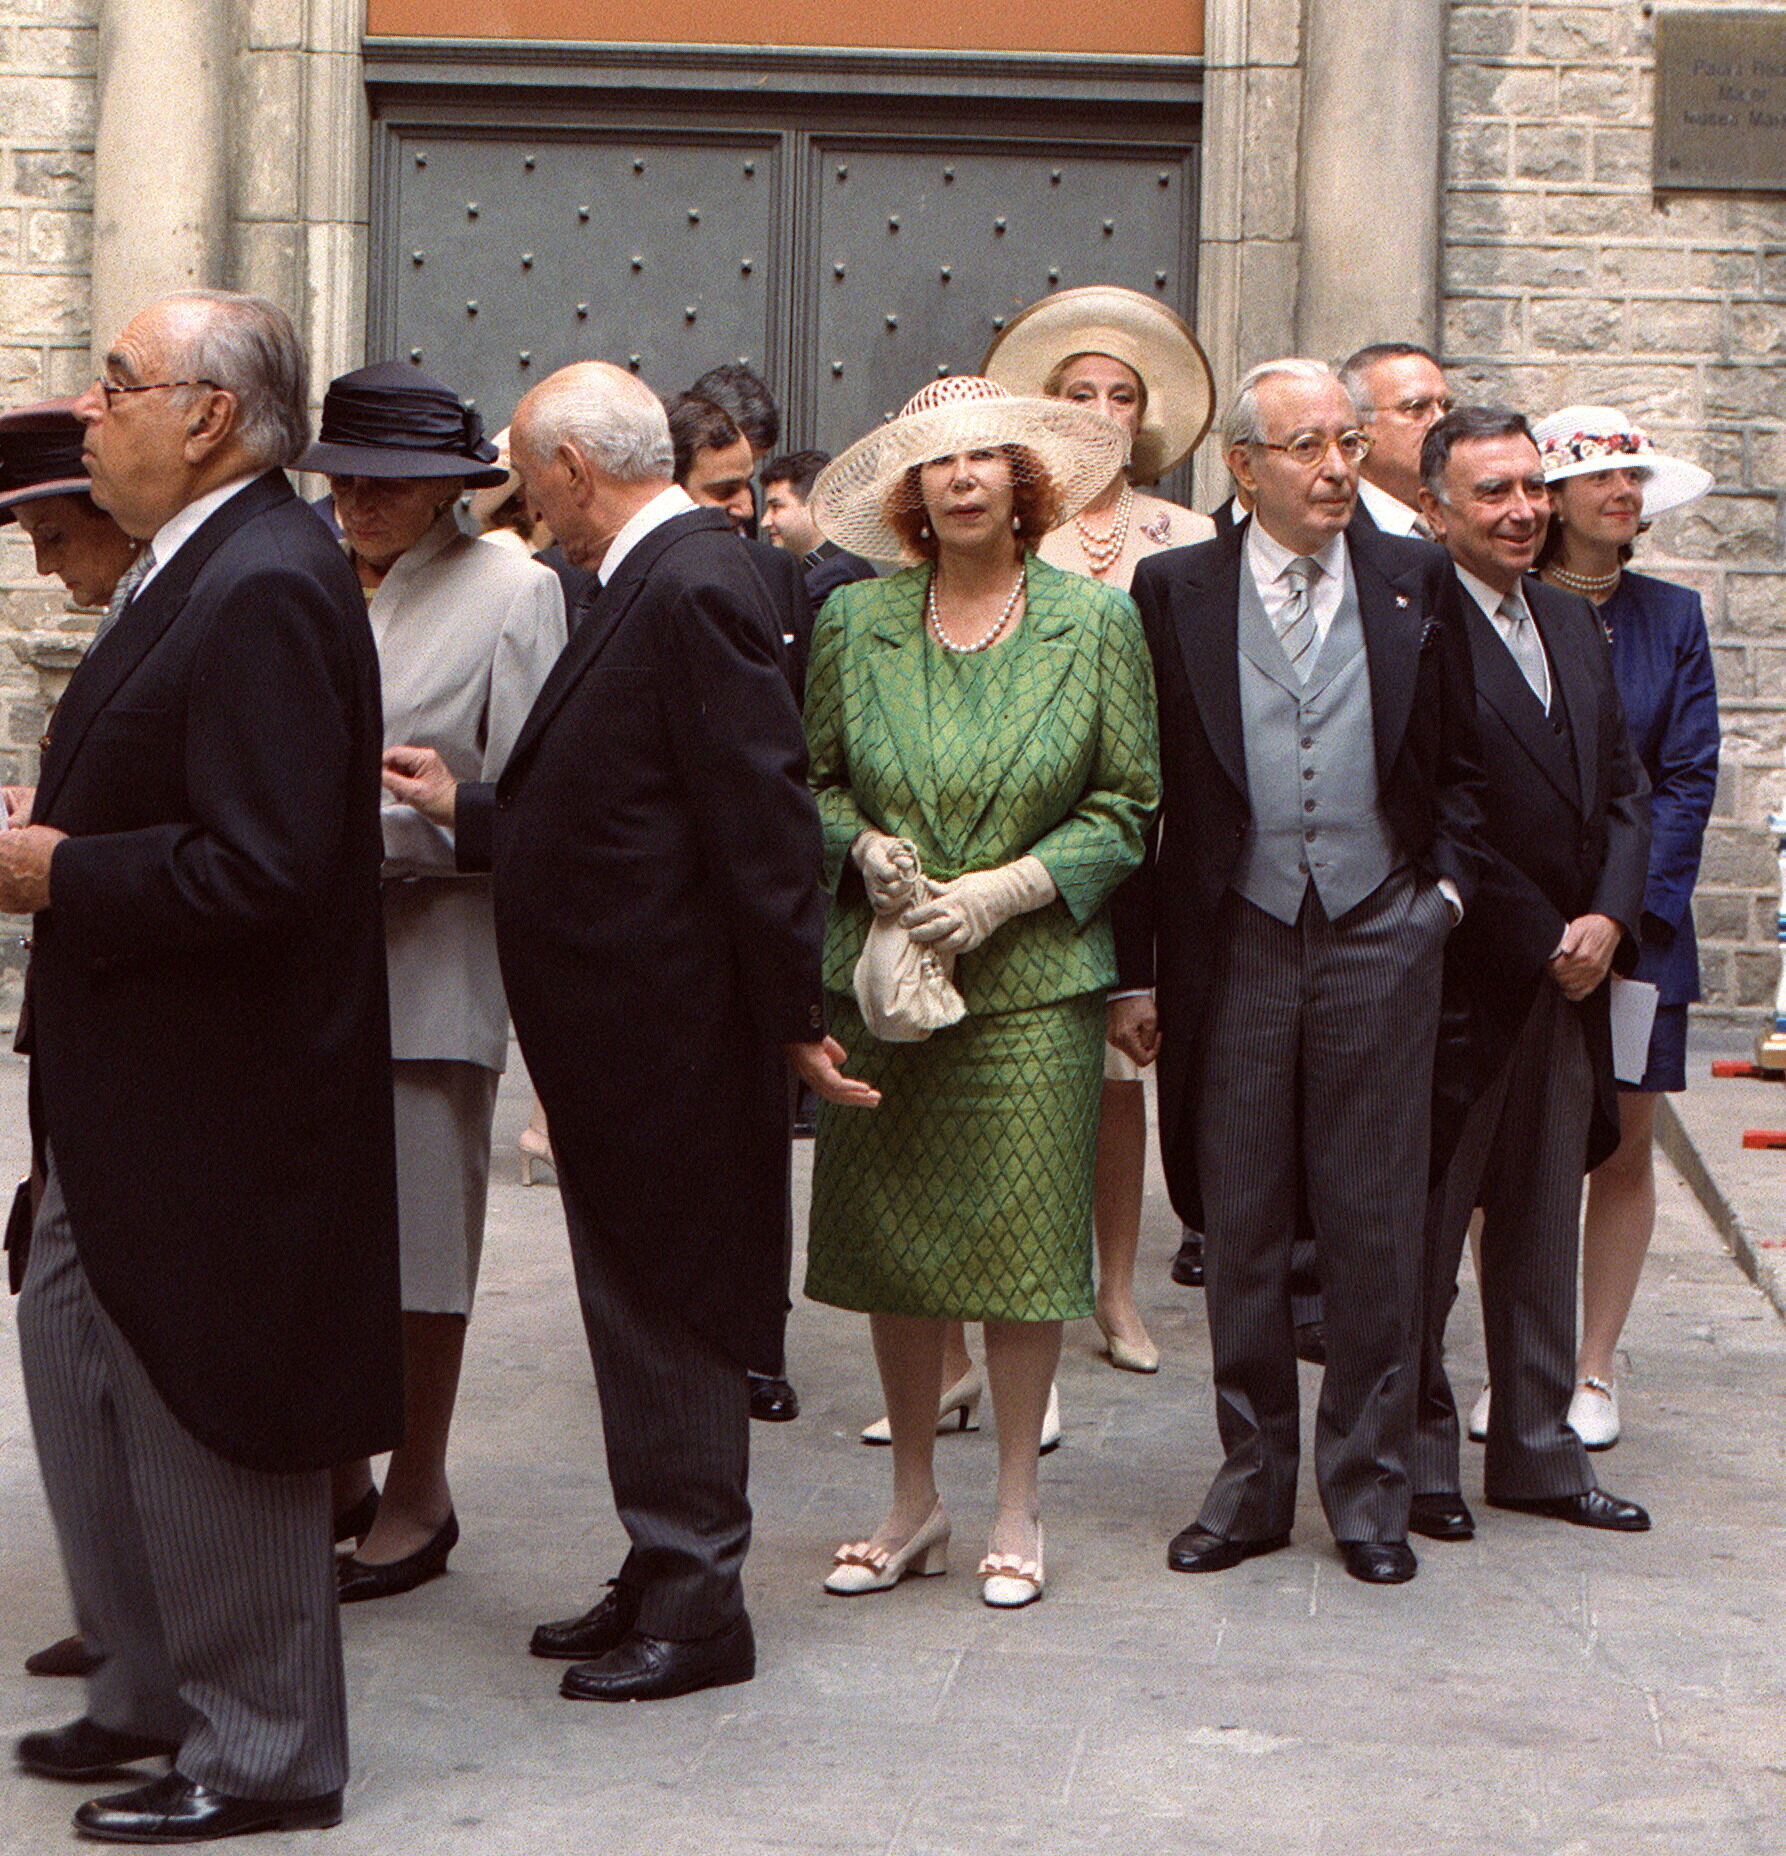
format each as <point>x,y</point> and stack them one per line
<point>851,497</point>
<point>1580,439</point>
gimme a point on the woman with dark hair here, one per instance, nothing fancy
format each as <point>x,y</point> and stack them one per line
<point>983,750</point>
<point>1607,484</point>
<point>466,631</point>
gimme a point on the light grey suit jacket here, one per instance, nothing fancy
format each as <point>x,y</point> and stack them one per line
<point>466,632</point>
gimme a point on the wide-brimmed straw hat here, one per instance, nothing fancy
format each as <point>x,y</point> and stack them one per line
<point>491,498</point>
<point>1080,450</point>
<point>1580,439</point>
<point>392,420</point>
<point>1129,327</point>
<point>40,455</point>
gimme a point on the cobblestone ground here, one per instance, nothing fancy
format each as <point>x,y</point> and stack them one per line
<point>1542,1691</point>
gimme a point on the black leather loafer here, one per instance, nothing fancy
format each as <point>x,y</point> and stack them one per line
<point>355,1580</point>
<point>67,1656</point>
<point>1593,1508</point>
<point>356,1523</point>
<point>1441,1517</point>
<point>773,1401</point>
<point>1187,1266</point>
<point>179,1810</point>
<point>1196,1549</point>
<point>1311,1342</point>
<point>85,1750</point>
<point>1379,1562</point>
<point>642,1668</point>
<point>595,1633</point>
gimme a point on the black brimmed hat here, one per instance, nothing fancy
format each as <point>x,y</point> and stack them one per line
<point>40,454</point>
<point>392,420</point>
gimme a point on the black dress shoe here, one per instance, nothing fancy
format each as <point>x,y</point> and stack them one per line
<point>355,1580</point>
<point>1187,1266</point>
<point>773,1401</point>
<point>179,1810</point>
<point>1592,1508</point>
<point>1311,1342</point>
<point>642,1668</point>
<point>1379,1562</point>
<point>85,1750</point>
<point>1196,1549</point>
<point>1441,1517</point>
<point>67,1656</point>
<point>595,1633</point>
<point>356,1523</point>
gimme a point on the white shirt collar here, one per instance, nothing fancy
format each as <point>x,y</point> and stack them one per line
<point>180,528</point>
<point>1270,557</point>
<point>1484,595</point>
<point>1390,513</point>
<point>667,503</point>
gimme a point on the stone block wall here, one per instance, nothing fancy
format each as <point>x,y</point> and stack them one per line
<point>1565,279</point>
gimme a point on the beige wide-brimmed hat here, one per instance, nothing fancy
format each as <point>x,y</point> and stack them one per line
<point>1580,439</point>
<point>1129,327</point>
<point>1080,450</point>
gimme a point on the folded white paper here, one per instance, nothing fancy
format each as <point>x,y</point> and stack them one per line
<point>1633,1019</point>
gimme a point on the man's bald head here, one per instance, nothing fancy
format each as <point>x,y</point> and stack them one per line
<point>610,415</point>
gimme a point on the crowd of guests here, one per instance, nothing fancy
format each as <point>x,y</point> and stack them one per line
<point>1367,812</point>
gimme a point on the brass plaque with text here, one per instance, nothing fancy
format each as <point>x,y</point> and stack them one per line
<point>1721,100</point>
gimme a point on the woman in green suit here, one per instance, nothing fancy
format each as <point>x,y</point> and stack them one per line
<point>993,718</point>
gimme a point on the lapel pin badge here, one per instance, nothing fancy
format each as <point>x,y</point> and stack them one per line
<point>1401,599</point>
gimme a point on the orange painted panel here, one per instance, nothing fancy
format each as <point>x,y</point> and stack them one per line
<point>1174,30</point>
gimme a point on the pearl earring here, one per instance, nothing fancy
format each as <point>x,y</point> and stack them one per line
<point>924,531</point>
<point>1017,525</point>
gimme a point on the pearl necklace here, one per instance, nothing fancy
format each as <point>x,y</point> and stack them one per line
<point>1103,551</point>
<point>981,644</point>
<point>1597,587</point>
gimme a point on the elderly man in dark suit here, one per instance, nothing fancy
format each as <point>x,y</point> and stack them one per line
<point>209,1317</point>
<point>658,917</point>
<point>1526,1056</point>
<point>1317,844</point>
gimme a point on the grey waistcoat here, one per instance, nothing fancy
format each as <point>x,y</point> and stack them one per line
<point>1311,767</point>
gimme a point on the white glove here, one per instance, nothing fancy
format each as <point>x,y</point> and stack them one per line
<point>889,867</point>
<point>960,915</point>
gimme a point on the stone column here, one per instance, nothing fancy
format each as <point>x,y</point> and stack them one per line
<point>1371,97</point>
<point>160,156</point>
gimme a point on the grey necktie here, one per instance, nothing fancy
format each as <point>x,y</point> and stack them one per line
<point>132,577</point>
<point>1295,620</point>
<point>1527,647</point>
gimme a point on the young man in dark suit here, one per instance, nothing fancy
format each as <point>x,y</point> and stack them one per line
<point>787,521</point>
<point>658,917</point>
<point>209,1317</point>
<point>1316,845</point>
<point>1526,1101</point>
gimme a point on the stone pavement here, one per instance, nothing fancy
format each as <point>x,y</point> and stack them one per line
<point>1541,1691</point>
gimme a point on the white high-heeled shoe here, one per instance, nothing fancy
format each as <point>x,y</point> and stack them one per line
<point>1594,1413</point>
<point>1126,1355</point>
<point>862,1567</point>
<point>959,1409</point>
<point>1008,1582</point>
<point>1479,1416</point>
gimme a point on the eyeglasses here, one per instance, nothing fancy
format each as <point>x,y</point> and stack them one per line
<point>1420,406</point>
<point>112,389</point>
<point>1309,448</point>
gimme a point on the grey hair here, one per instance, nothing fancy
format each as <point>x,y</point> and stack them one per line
<point>247,346</point>
<point>1242,426</point>
<point>1458,427</point>
<point>1355,366</point>
<point>609,415</point>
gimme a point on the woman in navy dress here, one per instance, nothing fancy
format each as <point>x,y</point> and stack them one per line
<point>1607,483</point>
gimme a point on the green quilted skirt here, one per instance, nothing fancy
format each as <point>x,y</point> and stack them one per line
<point>968,1192</point>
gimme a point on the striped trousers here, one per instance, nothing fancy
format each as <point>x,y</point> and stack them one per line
<point>1522,1156</point>
<point>676,1427</point>
<point>1315,1090</point>
<point>208,1590</point>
